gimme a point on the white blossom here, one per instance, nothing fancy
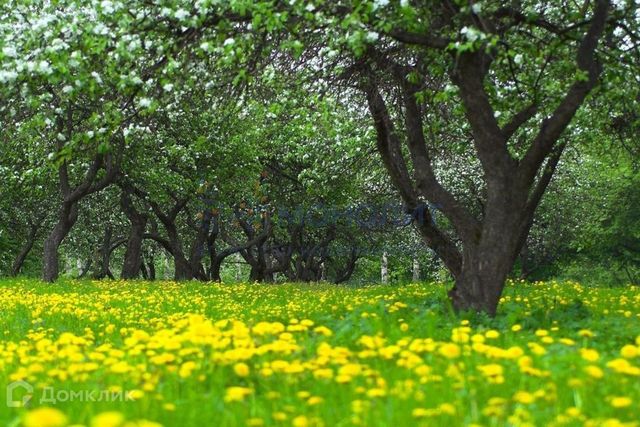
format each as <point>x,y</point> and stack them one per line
<point>97,77</point>
<point>372,36</point>
<point>107,6</point>
<point>7,76</point>
<point>44,67</point>
<point>378,4</point>
<point>100,29</point>
<point>9,51</point>
<point>182,14</point>
<point>472,34</point>
<point>144,102</point>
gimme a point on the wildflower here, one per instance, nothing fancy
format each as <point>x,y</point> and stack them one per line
<point>447,408</point>
<point>491,370</point>
<point>108,419</point>
<point>350,369</point>
<point>376,392</point>
<point>629,351</point>
<point>323,330</point>
<point>323,373</point>
<point>300,421</point>
<point>241,369</point>
<point>421,413</point>
<point>315,400</point>
<point>492,334</point>
<point>236,394</point>
<point>44,417</point>
<point>186,369</point>
<point>589,355</point>
<point>524,397</point>
<point>450,350</point>
<point>620,402</point>
<point>594,371</point>
<point>279,416</point>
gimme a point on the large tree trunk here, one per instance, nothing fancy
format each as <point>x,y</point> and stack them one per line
<point>182,268</point>
<point>67,217</point>
<point>481,281</point>
<point>481,250</point>
<point>198,245</point>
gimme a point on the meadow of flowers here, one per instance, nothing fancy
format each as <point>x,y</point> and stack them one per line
<point>316,355</point>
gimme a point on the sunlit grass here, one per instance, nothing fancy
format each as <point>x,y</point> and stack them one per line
<point>281,355</point>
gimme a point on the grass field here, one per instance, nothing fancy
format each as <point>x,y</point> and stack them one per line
<point>147,354</point>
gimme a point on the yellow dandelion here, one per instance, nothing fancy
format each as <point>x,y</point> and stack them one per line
<point>44,417</point>
<point>241,369</point>
<point>108,419</point>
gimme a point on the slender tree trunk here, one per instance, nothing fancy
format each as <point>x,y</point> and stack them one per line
<point>143,271</point>
<point>67,217</point>
<point>25,250</point>
<point>133,254</point>
<point>416,270</point>
<point>384,269</point>
<point>215,267</point>
<point>151,266</point>
<point>105,255</point>
<point>524,262</point>
<point>132,264</point>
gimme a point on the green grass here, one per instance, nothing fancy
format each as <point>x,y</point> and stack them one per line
<point>332,356</point>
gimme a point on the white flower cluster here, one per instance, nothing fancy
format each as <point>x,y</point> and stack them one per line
<point>472,34</point>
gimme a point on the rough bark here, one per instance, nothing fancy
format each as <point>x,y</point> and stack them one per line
<point>133,262</point>
<point>67,217</point>
<point>484,250</point>
<point>68,211</point>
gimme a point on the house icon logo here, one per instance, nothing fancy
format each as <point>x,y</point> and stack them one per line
<point>16,389</point>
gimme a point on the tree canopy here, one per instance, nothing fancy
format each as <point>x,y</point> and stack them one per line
<point>299,140</point>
